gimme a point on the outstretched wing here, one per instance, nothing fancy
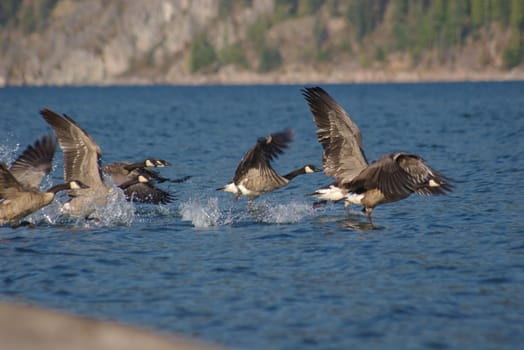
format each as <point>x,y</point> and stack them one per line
<point>34,163</point>
<point>343,157</point>
<point>265,150</point>
<point>399,175</point>
<point>147,193</point>
<point>81,153</point>
<point>424,179</point>
<point>9,186</point>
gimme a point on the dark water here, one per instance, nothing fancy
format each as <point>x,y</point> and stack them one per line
<point>437,273</point>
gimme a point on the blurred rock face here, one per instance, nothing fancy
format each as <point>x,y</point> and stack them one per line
<point>156,41</point>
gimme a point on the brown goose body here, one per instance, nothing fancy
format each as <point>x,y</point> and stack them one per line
<point>19,185</point>
<point>389,179</point>
<point>21,202</point>
<point>255,176</point>
<point>392,178</point>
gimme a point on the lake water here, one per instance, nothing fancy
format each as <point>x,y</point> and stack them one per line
<point>437,273</point>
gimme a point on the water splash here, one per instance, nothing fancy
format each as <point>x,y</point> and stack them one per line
<point>204,213</point>
<point>285,213</point>
<point>8,153</point>
<point>117,211</point>
<point>207,212</point>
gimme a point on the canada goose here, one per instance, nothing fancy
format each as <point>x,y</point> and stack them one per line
<point>343,157</point>
<point>140,186</point>
<point>139,179</point>
<point>120,172</point>
<point>81,162</point>
<point>19,185</point>
<point>254,174</point>
<point>391,178</point>
<point>19,201</point>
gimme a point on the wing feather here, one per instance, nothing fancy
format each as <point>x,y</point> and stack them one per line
<point>423,178</point>
<point>343,157</point>
<point>147,193</point>
<point>34,163</point>
<point>81,153</point>
<point>399,175</point>
<point>9,186</point>
<point>265,150</point>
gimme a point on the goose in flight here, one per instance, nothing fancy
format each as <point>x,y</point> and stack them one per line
<point>19,185</point>
<point>81,162</point>
<point>391,178</point>
<point>140,185</point>
<point>255,176</point>
<point>121,172</point>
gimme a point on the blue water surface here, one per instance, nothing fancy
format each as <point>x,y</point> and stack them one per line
<point>441,272</point>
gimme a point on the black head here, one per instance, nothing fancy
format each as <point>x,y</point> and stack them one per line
<point>157,163</point>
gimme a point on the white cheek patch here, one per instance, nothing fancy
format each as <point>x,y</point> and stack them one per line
<point>142,179</point>
<point>433,183</point>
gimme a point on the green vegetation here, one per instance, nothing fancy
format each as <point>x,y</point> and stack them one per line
<point>203,55</point>
<point>233,54</point>
<point>270,59</point>
<point>365,16</point>
<point>227,7</point>
<point>412,26</point>
<point>256,33</point>
<point>8,10</point>
<point>514,53</point>
<point>296,8</point>
<point>28,15</point>
<point>441,24</point>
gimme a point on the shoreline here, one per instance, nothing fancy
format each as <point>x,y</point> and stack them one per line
<point>297,77</point>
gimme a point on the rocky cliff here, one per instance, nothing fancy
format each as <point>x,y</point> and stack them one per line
<point>208,41</point>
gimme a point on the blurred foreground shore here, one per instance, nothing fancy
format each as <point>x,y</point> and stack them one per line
<point>25,327</point>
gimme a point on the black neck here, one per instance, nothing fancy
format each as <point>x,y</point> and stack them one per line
<point>295,173</point>
<point>133,166</point>
<point>58,188</point>
<point>129,183</point>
